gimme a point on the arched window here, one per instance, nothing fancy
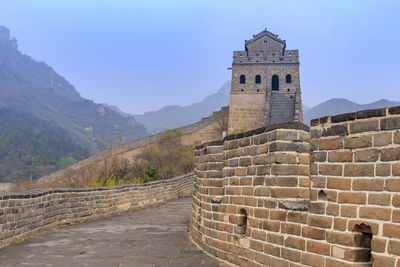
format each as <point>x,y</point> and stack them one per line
<point>242,79</point>
<point>258,78</point>
<point>275,83</point>
<point>288,78</point>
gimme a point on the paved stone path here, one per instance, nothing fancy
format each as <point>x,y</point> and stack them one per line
<point>155,236</point>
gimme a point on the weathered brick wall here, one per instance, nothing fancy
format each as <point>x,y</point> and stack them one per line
<point>25,213</point>
<point>355,185</point>
<point>250,191</point>
<point>260,201</point>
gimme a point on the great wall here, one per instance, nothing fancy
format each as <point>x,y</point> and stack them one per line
<point>280,194</point>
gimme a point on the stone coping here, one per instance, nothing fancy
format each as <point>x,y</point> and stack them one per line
<point>362,114</point>
<point>269,128</point>
<point>46,191</point>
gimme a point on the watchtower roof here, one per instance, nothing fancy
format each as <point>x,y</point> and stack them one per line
<point>265,32</point>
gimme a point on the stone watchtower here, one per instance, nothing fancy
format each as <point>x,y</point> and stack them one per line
<point>265,84</point>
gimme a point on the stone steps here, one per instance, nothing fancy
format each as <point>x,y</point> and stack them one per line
<point>282,109</point>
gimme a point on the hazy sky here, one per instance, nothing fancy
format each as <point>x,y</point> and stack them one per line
<point>142,55</point>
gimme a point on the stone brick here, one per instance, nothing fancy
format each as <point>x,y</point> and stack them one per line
<point>260,235</point>
<point>317,247</point>
<point>340,224</point>
<point>320,221</point>
<point>382,169</point>
<point>348,211</point>
<point>295,242</point>
<point>312,260</point>
<point>385,261</point>
<point>287,181</point>
<point>275,238</point>
<point>390,154</point>
<point>262,191</point>
<point>340,156</point>
<point>317,208</point>
<point>330,169</point>
<point>318,156</point>
<point>278,215</point>
<point>290,170</point>
<point>379,199</point>
<point>382,139</point>
<point>396,137</point>
<point>392,185</point>
<point>359,170</point>
<point>370,155</point>
<point>339,183</point>
<point>314,233</point>
<point>391,230</point>
<point>394,247</point>
<point>396,169</point>
<point>303,159</point>
<point>290,254</point>
<point>368,184</point>
<point>335,130</point>
<point>240,171</point>
<point>261,213</point>
<point>390,123</point>
<point>378,245</point>
<point>256,245</point>
<point>396,201</point>
<point>375,213</point>
<point>291,229</point>
<point>297,217</point>
<point>332,209</point>
<point>344,239</point>
<point>352,198</point>
<point>330,144</point>
<point>358,142</point>
<point>364,126</point>
<point>396,216</point>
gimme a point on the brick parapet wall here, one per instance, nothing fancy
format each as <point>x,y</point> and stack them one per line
<point>25,213</point>
<point>288,198</point>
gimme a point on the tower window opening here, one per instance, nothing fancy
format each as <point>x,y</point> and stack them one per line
<point>275,83</point>
<point>258,78</point>
<point>242,79</point>
<point>288,78</point>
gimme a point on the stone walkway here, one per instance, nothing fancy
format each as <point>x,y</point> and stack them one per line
<point>156,236</point>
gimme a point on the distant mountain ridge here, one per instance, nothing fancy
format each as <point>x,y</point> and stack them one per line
<point>170,117</point>
<point>341,105</point>
<point>175,116</point>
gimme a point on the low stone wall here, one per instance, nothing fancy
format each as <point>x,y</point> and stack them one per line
<point>25,213</point>
<point>285,197</point>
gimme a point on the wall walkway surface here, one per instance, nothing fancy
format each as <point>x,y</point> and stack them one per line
<point>25,213</point>
<point>280,196</point>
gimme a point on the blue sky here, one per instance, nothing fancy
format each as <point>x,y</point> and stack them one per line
<point>143,55</point>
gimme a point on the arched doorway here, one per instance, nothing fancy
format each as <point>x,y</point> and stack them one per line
<point>275,83</point>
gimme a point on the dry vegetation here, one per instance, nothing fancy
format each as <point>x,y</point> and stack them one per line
<point>167,159</point>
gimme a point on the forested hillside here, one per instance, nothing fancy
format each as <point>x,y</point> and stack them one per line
<point>25,139</point>
<point>35,88</point>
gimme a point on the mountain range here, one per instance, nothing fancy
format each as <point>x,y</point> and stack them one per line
<point>174,116</point>
<point>35,88</point>
<point>44,120</point>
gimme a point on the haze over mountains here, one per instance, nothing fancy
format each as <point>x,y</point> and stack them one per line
<point>174,116</point>
<point>41,99</point>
